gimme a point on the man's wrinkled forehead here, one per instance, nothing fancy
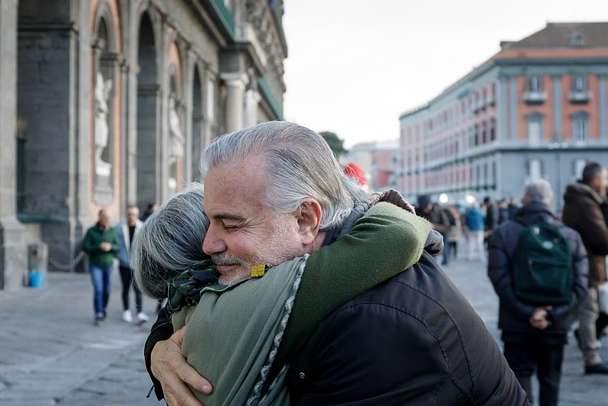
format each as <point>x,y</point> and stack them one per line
<point>236,187</point>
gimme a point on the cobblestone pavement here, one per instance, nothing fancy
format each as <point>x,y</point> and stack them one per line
<point>52,354</point>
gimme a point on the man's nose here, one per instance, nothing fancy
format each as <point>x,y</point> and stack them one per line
<point>213,243</point>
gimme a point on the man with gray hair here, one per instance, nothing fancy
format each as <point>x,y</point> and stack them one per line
<point>538,268</point>
<point>274,192</point>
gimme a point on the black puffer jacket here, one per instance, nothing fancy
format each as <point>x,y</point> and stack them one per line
<point>414,340</point>
<point>514,315</point>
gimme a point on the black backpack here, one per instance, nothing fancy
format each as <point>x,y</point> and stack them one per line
<point>542,266</point>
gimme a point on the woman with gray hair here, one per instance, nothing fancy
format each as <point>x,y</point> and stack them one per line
<point>235,333</point>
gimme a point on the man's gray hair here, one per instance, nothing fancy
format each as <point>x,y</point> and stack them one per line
<point>170,242</point>
<point>539,190</point>
<point>299,165</point>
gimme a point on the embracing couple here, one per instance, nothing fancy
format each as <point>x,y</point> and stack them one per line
<point>288,285</point>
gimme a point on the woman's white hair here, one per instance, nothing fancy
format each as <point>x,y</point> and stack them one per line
<point>170,242</point>
<point>299,165</point>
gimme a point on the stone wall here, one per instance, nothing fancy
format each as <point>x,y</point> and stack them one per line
<point>177,68</point>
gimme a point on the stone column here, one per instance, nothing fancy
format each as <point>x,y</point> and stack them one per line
<point>13,263</point>
<point>235,96</point>
<point>124,138</point>
<point>163,150</point>
<point>602,100</point>
<point>252,99</point>
<point>79,115</point>
<point>131,52</point>
<point>187,92</point>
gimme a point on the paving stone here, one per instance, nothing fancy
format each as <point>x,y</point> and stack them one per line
<point>50,343</point>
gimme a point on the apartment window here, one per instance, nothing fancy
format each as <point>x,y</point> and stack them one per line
<point>483,133</point>
<point>579,83</point>
<point>492,94</point>
<point>535,169</point>
<point>485,174</point>
<point>580,126</point>
<point>534,93</point>
<point>535,84</point>
<point>579,165</point>
<point>492,129</point>
<point>535,129</point>
<point>577,39</point>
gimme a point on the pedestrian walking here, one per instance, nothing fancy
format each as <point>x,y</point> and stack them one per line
<point>503,211</point>
<point>150,209</point>
<point>492,218</point>
<point>437,216</point>
<point>512,208</point>
<point>583,212</point>
<point>101,244</point>
<point>126,233</point>
<point>455,231</point>
<point>474,223</point>
<point>538,268</point>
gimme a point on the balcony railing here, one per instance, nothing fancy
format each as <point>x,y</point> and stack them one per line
<point>535,97</point>
<point>580,96</point>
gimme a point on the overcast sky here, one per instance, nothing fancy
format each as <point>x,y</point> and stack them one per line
<point>355,65</point>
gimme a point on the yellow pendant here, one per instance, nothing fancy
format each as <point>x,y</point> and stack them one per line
<point>257,271</point>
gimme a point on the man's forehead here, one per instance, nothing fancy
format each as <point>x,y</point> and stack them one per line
<point>234,188</point>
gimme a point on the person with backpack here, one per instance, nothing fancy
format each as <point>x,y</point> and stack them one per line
<point>538,267</point>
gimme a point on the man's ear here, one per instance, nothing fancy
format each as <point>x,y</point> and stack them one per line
<point>308,216</point>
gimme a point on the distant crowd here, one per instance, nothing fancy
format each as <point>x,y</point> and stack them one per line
<point>548,270</point>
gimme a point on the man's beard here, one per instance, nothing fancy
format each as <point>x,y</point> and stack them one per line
<point>238,274</point>
<point>275,252</point>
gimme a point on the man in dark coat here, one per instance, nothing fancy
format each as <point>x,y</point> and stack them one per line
<point>492,216</point>
<point>583,212</point>
<point>438,217</point>
<point>534,335</point>
<point>414,340</point>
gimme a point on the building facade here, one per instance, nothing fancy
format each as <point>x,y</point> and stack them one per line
<point>380,162</point>
<point>384,166</point>
<point>537,108</point>
<point>107,103</point>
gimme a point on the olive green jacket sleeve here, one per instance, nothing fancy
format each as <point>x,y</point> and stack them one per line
<point>383,243</point>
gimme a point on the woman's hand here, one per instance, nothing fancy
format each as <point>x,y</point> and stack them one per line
<point>174,374</point>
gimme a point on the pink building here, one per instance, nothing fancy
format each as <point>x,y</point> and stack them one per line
<point>537,108</point>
